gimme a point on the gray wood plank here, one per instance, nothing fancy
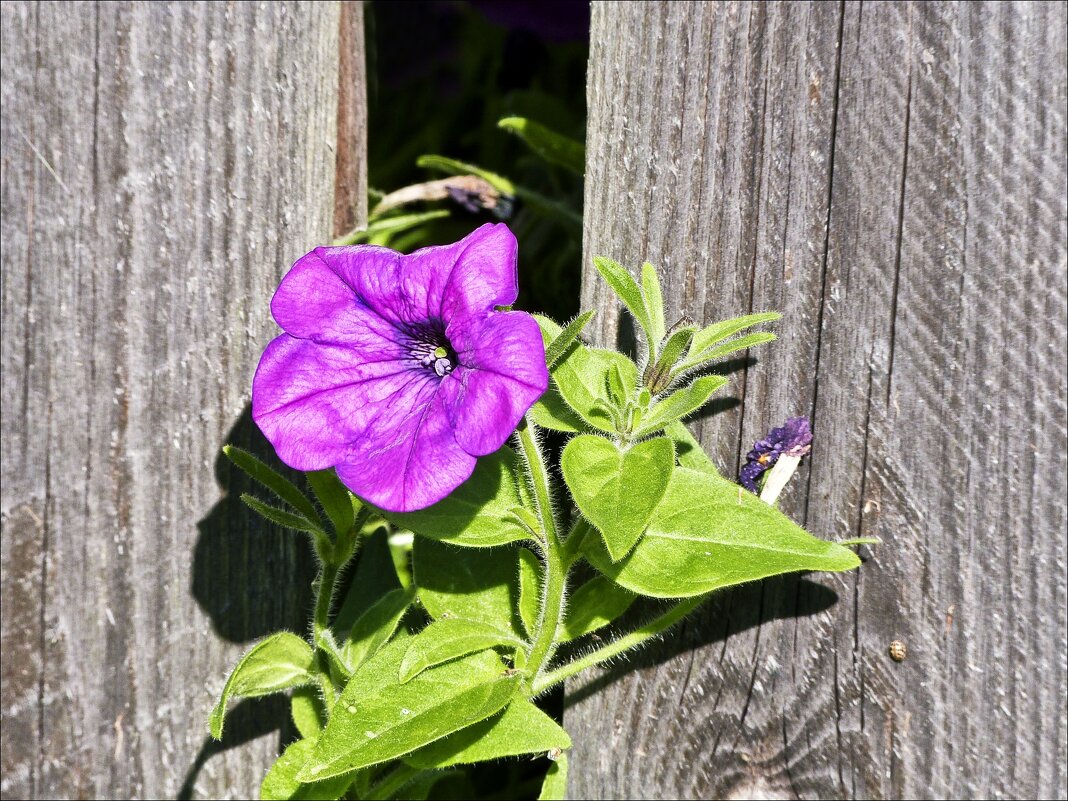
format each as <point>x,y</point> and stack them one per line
<point>163,164</point>
<point>891,177</point>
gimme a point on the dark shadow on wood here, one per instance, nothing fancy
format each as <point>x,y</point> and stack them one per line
<point>250,719</point>
<point>251,577</point>
<point>724,614</point>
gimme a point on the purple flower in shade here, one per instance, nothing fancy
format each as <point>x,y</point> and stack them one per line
<point>792,439</point>
<point>397,370</point>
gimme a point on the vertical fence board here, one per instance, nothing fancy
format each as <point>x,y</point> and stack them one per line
<point>162,165</point>
<point>892,178</point>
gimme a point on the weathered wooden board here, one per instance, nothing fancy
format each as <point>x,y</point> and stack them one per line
<point>162,165</point>
<point>891,177</point>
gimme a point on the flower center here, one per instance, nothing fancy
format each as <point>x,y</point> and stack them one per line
<point>432,351</point>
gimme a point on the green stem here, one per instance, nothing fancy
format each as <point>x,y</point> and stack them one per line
<point>324,595</point>
<point>615,648</point>
<point>552,601</point>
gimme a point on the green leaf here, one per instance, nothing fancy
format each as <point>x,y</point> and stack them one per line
<point>281,661</point>
<point>559,345</point>
<point>658,376</point>
<point>654,302</point>
<point>375,576</point>
<point>335,498</point>
<point>445,640</point>
<point>592,606</point>
<point>475,514</point>
<point>709,533</point>
<point>307,711</point>
<point>707,337</point>
<point>281,780</point>
<point>374,722</point>
<point>617,491</point>
<point>376,626</point>
<point>680,403</point>
<point>688,450</point>
<point>628,291</point>
<point>547,143</point>
<point>339,666</point>
<point>618,391</point>
<point>727,348</point>
<point>455,167</point>
<point>550,411</point>
<point>475,585</point>
<point>579,385</point>
<point>742,343</point>
<point>393,224</point>
<point>274,481</point>
<point>520,729</point>
<point>554,787</point>
<point>281,516</point>
<point>530,568</point>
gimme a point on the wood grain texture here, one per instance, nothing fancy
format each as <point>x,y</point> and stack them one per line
<point>163,164</point>
<point>892,178</point>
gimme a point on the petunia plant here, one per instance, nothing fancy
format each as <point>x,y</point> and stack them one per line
<point>415,397</point>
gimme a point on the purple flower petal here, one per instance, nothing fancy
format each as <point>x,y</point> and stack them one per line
<point>397,370</point>
<point>317,299</point>
<point>503,373</point>
<point>484,274</point>
<point>308,398</point>
<point>408,458</point>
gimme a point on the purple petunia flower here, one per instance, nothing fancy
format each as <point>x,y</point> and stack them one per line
<point>792,439</point>
<point>397,370</point>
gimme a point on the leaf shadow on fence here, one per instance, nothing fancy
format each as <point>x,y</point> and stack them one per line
<point>726,613</point>
<point>252,579</point>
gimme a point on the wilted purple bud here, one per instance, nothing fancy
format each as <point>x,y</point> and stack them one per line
<point>792,439</point>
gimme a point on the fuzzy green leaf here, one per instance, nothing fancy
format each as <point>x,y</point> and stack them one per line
<point>281,780</point>
<point>307,710</point>
<point>551,411</point>
<point>274,481</point>
<point>445,640</point>
<point>709,533</point>
<point>654,302</point>
<point>374,722</point>
<point>707,337</point>
<point>281,517</point>
<point>475,514</point>
<point>617,491</point>
<point>554,787</point>
<point>559,345</point>
<point>555,148</point>
<point>520,729</point>
<point>480,585</point>
<point>592,606</point>
<point>530,569</point>
<point>688,450</point>
<point>680,403</point>
<point>727,348</point>
<point>579,386</point>
<point>335,498</point>
<point>279,662</point>
<point>376,626</point>
<point>628,291</point>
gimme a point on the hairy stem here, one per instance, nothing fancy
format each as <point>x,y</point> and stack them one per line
<point>615,648</point>
<point>555,578</point>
